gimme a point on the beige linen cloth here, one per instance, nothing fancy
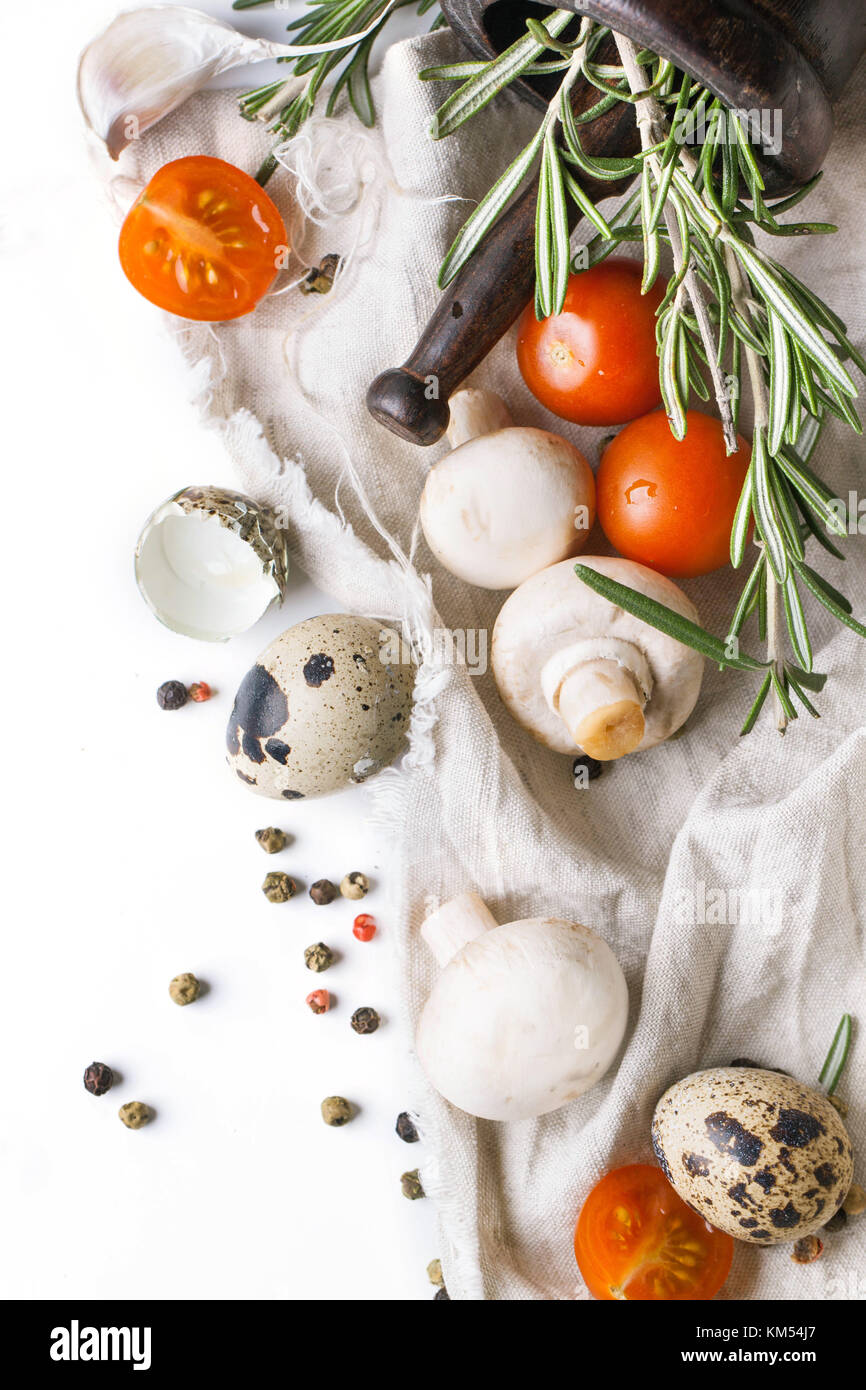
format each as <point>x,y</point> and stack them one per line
<point>478,804</point>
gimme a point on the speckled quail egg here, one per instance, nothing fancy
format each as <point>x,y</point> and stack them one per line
<point>326,705</point>
<point>755,1152</point>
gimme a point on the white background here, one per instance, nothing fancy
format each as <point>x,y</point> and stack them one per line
<point>130,854</point>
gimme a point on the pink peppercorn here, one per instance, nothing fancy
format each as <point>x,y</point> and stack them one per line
<point>364,927</point>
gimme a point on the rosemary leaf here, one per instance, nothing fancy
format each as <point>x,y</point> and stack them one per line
<point>810,680</point>
<point>651,243</point>
<point>796,620</point>
<point>809,578</point>
<point>811,488</point>
<point>777,296</point>
<point>827,588</point>
<point>781,382</point>
<point>766,515</point>
<point>658,615</point>
<point>668,378</point>
<point>474,95</point>
<point>801,694</point>
<point>488,210</point>
<point>836,1058</point>
<point>749,597</point>
<point>752,716</point>
<point>742,518</point>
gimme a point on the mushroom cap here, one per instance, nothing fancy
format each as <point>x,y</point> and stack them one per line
<point>524,1018</point>
<point>506,504</point>
<point>326,705</point>
<point>552,610</point>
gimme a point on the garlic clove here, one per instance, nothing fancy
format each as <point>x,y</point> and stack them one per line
<point>148,61</point>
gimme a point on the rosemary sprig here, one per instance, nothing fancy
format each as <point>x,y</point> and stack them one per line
<point>834,1062</point>
<point>286,105</point>
<point>730,312</point>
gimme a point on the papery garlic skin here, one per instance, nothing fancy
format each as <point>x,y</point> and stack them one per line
<point>147,62</point>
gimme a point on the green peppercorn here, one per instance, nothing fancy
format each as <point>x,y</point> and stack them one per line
<point>319,957</point>
<point>336,1111</point>
<point>434,1273</point>
<point>323,892</point>
<point>135,1114</point>
<point>411,1185</point>
<point>320,278</point>
<point>355,885</point>
<point>271,839</point>
<point>855,1202</point>
<point>278,887</point>
<point>365,1020</point>
<point>184,989</point>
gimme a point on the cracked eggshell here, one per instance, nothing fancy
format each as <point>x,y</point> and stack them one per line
<point>326,706</point>
<point>210,562</point>
<point>756,1153</point>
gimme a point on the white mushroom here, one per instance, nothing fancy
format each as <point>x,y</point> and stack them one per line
<point>580,673</point>
<point>523,1018</point>
<point>508,499</point>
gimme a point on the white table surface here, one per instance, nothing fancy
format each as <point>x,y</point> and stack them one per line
<point>129,848</point>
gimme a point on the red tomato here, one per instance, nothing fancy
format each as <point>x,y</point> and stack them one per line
<point>671,504</point>
<point>203,240</point>
<point>595,363</point>
<point>637,1241</point>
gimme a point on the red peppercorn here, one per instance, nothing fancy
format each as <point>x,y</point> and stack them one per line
<point>200,691</point>
<point>319,1001</point>
<point>364,927</point>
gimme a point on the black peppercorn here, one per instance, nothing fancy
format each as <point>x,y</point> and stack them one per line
<point>98,1078</point>
<point>171,695</point>
<point>365,1020</point>
<point>585,770</point>
<point>406,1128</point>
<point>443,1294</point>
<point>837,1222</point>
<point>323,892</point>
<point>410,1184</point>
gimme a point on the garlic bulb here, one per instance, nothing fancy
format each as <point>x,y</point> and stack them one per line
<point>148,61</point>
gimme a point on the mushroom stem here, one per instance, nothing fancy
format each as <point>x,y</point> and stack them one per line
<point>599,690</point>
<point>473,412</point>
<point>456,923</point>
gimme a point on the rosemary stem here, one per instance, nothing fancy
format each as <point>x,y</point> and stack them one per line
<point>760,397</point>
<point>653,128</point>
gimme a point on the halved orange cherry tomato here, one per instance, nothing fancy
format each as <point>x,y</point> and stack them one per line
<point>203,240</point>
<point>637,1241</point>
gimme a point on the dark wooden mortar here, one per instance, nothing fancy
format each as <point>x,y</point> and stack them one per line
<point>790,56</point>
